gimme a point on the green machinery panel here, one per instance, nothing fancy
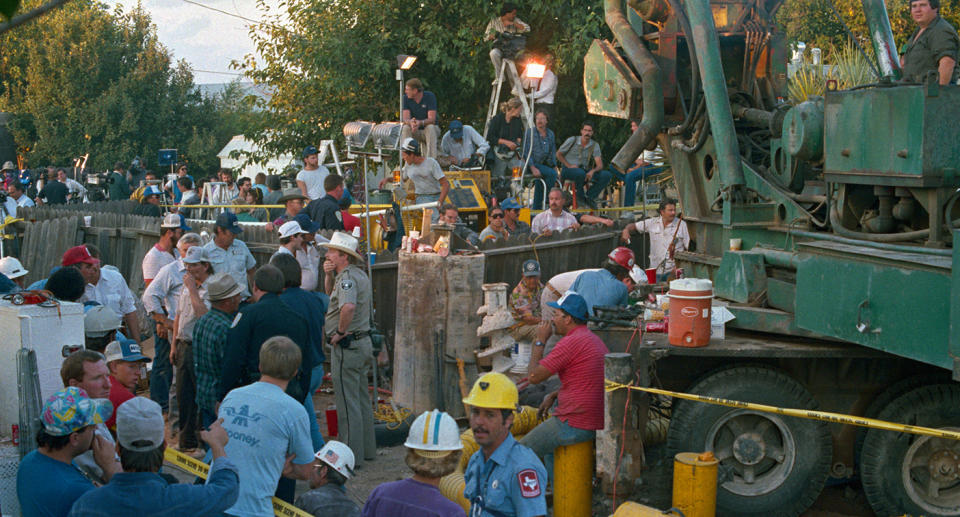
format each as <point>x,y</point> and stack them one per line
<point>888,300</point>
<point>611,87</point>
<point>895,136</point>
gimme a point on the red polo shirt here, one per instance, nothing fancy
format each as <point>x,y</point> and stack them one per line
<point>118,395</point>
<point>578,360</point>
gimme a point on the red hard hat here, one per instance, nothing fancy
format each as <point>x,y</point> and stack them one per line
<point>622,256</point>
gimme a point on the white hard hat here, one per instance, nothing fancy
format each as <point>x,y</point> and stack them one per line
<point>12,268</point>
<point>434,434</point>
<point>337,456</point>
<point>100,320</point>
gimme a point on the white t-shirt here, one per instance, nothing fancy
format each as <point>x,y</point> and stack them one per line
<point>314,181</point>
<point>426,176</point>
<point>547,221</point>
<point>156,259</point>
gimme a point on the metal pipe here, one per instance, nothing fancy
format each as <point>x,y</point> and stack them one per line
<point>572,474</point>
<point>707,43</point>
<point>778,258</point>
<point>884,46</point>
<point>652,90</point>
<point>823,236</point>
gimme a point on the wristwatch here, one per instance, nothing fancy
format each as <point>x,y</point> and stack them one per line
<point>539,343</point>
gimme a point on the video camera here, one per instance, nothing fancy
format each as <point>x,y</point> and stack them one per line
<point>510,44</point>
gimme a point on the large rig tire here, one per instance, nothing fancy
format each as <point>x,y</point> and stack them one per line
<point>905,473</point>
<point>770,465</point>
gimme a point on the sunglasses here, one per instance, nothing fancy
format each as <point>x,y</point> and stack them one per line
<point>497,216</point>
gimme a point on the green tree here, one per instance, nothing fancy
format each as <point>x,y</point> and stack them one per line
<point>82,79</point>
<point>327,63</point>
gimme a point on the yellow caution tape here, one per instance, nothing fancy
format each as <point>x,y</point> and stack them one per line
<point>825,416</point>
<point>200,469</point>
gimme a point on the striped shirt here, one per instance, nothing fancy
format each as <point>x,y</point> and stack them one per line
<point>578,361</point>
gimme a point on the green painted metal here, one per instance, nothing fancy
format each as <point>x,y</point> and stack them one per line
<point>803,130</point>
<point>896,136</point>
<point>955,309</point>
<point>611,87</point>
<point>782,295</point>
<point>742,277</point>
<point>884,47</point>
<point>763,319</point>
<point>890,301</point>
<point>711,67</point>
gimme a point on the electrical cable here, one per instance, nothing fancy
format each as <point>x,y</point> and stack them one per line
<point>856,42</point>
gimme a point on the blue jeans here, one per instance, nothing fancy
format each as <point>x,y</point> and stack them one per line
<point>161,375</point>
<point>579,176</point>
<point>427,198</point>
<point>549,176</point>
<point>632,177</point>
<point>551,434</point>
<point>316,379</point>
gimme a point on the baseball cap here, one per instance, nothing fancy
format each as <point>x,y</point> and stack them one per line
<point>531,268</point>
<point>170,221</point>
<point>78,254</point>
<point>183,223</point>
<point>71,409</point>
<point>456,129</point>
<point>140,425</point>
<point>308,150</point>
<point>290,228</point>
<point>306,223</point>
<point>410,145</point>
<point>571,303</point>
<point>196,255</point>
<point>228,220</point>
<point>510,204</point>
<point>151,191</point>
<point>124,350</point>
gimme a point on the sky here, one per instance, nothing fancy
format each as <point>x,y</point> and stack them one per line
<point>207,39</point>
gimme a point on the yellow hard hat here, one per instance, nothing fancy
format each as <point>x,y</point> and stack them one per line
<point>493,390</point>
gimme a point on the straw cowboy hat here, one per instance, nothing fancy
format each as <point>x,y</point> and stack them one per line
<point>343,242</point>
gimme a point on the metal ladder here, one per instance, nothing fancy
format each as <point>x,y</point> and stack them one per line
<point>508,66</point>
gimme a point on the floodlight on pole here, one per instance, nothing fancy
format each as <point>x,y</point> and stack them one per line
<point>405,62</point>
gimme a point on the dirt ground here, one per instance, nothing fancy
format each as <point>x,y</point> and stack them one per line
<point>844,500</point>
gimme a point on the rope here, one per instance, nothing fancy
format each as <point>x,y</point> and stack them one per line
<point>393,416</point>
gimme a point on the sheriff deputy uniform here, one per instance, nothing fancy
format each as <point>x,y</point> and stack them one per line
<point>350,364</point>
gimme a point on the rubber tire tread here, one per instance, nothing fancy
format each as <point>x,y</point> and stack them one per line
<point>885,397</point>
<point>691,421</point>
<point>883,451</point>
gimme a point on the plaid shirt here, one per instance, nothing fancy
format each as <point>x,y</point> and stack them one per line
<point>209,343</point>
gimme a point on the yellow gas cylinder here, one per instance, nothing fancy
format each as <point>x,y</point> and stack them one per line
<point>631,509</point>
<point>572,479</point>
<point>695,484</point>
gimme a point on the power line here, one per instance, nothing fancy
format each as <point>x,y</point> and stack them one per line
<point>214,72</point>
<point>221,11</point>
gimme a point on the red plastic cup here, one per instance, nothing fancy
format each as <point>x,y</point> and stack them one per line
<point>332,427</point>
<point>651,275</point>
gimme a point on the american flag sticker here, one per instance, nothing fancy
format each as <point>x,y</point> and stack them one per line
<point>331,456</point>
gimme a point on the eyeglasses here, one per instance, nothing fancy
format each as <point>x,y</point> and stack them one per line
<point>497,216</point>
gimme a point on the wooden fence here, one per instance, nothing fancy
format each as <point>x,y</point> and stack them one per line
<point>124,239</point>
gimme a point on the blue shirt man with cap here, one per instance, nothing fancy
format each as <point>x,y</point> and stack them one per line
<point>229,254</point>
<point>310,178</point>
<point>462,146</point>
<point>511,217</point>
<point>47,482</point>
<point>140,488</point>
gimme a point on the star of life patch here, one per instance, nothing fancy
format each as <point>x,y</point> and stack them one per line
<point>346,285</point>
<point>529,483</point>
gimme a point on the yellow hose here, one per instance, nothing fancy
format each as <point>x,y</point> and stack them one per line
<point>451,486</point>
